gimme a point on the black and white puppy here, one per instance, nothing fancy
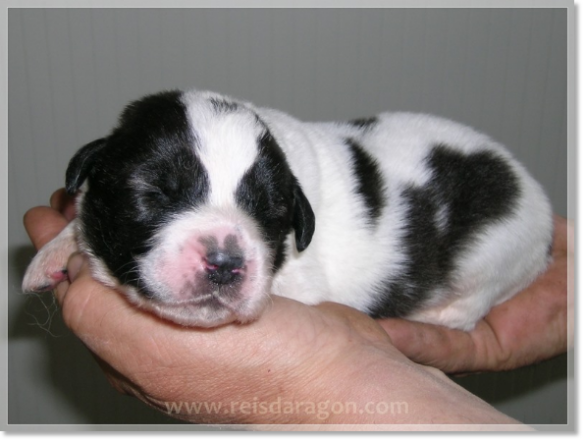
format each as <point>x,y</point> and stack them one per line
<point>198,207</point>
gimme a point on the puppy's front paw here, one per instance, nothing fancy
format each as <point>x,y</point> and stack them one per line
<point>49,266</point>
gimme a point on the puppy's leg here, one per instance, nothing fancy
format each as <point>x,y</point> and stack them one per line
<point>49,266</point>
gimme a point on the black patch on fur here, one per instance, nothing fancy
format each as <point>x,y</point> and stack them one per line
<point>424,269</point>
<point>145,173</point>
<point>81,164</point>
<point>221,105</point>
<point>303,221</point>
<point>268,192</point>
<point>480,188</point>
<point>364,123</point>
<point>474,191</point>
<point>370,183</point>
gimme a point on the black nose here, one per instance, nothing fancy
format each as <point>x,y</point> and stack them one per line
<point>223,268</point>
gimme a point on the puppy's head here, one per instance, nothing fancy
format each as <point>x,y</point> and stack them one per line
<point>187,207</point>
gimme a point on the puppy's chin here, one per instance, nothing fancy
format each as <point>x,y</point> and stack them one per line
<point>205,312</point>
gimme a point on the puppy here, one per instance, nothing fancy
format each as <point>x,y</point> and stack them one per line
<point>197,207</point>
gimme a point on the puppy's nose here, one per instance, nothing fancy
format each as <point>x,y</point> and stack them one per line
<point>223,268</point>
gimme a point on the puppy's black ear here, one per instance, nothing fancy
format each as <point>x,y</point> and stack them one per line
<point>81,164</point>
<point>303,218</point>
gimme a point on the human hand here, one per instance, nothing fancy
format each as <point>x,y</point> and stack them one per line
<point>530,327</point>
<point>295,364</point>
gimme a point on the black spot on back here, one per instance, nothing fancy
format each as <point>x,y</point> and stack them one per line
<point>478,188</point>
<point>473,191</point>
<point>222,105</point>
<point>425,268</point>
<point>364,123</point>
<point>370,184</point>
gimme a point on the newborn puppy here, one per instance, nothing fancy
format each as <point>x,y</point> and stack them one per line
<point>197,207</point>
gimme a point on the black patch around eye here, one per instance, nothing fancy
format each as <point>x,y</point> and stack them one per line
<point>164,186</point>
<point>370,183</point>
<point>148,172</point>
<point>473,190</point>
<point>265,193</point>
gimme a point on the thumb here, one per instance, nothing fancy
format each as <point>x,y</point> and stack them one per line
<point>74,268</point>
<point>447,349</point>
<point>76,262</point>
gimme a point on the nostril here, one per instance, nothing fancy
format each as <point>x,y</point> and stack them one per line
<point>224,260</point>
<point>223,268</point>
<point>210,266</point>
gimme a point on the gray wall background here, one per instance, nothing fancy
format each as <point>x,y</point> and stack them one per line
<point>70,71</point>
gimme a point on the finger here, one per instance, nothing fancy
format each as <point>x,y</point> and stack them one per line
<point>559,245</point>
<point>57,199</point>
<point>520,337</point>
<point>100,316</point>
<point>63,203</point>
<point>83,297</point>
<point>42,224</point>
<point>74,267</point>
<point>449,350</point>
<point>136,342</point>
<point>61,290</point>
<point>570,283</point>
<point>358,321</point>
<point>117,380</point>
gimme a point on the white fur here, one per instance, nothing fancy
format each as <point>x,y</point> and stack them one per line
<point>348,257</point>
<point>221,137</point>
